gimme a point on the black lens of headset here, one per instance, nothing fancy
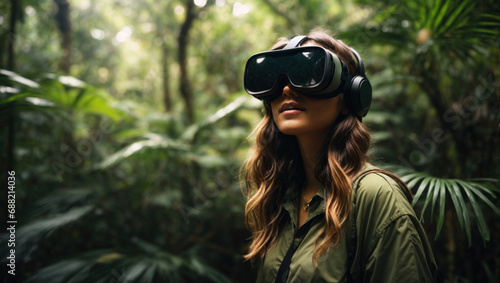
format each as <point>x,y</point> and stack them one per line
<point>265,72</point>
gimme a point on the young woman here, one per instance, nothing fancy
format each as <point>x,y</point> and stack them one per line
<point>318,211</point>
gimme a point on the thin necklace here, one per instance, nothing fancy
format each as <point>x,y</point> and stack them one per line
<point>306,204</point>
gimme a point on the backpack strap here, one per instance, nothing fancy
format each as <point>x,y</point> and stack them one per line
<point>284,269</point>
<point>353,243</point>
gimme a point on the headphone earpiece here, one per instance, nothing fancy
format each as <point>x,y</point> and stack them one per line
<point>358,95</point>
<point>358,91</point>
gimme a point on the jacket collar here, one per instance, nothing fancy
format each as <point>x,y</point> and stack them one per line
<point>291,204</point>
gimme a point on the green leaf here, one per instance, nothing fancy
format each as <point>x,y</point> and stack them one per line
<point>459,208</point>
<point>442,205</point>
<point>435,193</point>
<point>416,179</point>
<point>9,76</point>
<point>241,101</point>
<point>430,195</point>
<point>134,271</point>
<point>437,189</point>
<point>60,271</point>
<point>481,221</point>
<point>75,95</point>
<point>15,97</point>
<point>421,189</point>
<point>32,233</point>
<point>478,190</point>
<point>136,148</point>
<point>59,200</point>
<point>440,12</point>
<point>463,9</point>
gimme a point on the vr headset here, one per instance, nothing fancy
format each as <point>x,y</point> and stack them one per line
<point>312,71</point>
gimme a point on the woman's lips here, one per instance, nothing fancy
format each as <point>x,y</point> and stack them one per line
<point>291,108</point>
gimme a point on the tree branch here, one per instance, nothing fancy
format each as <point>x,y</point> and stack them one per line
<point>64,25</point>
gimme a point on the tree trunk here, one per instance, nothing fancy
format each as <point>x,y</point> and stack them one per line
<point>14,7</point>
<point>9,130</point>
<point>185,84</point>
<point>9,164</point>
<point>64,24</point>
<point>167,99</point>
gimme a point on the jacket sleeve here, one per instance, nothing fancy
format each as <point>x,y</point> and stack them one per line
<point>392,245</point>
<point>400,254</point>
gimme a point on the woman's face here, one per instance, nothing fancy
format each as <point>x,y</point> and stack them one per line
<point>296,114</point>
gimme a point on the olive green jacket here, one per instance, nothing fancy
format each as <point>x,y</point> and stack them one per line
<point>391,243</point>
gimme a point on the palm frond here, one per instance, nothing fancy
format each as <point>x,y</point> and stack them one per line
<point>193,265</point>
<point>74,269</point>
<point>62,271</point>
<point>59,201</point>
<point>460,208</point>
<point>29,235</point>
<point>148,264</point>
<point>205,271</point>
<point>56,93</point>
<point>469,200</point>
<point>453,27</point>
<point>455,16</point>
<point>71,93</point>
<point>135,270</point>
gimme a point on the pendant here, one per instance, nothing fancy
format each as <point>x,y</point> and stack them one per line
<point>306,206</point>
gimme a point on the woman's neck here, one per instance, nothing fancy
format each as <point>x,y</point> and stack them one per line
<point>310,145</point>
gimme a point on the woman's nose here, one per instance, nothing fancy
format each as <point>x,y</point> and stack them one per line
<point>288,91</point>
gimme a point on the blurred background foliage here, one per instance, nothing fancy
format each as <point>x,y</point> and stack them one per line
<point>126,124</point>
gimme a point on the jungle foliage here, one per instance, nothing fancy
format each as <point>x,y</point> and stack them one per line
<point>126,123</point>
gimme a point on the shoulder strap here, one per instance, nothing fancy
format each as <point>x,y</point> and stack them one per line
<point>285,265</point>
<point>284,269</point>
<point>353,244</point>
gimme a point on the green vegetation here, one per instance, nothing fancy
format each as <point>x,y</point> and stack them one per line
<point>126,123</point>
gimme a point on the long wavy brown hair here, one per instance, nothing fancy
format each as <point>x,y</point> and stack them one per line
<point>276,164</point>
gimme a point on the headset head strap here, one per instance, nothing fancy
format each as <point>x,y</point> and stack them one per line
<point>296,41</point>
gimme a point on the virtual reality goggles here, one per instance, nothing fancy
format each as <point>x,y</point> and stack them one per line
<point>312,71</point>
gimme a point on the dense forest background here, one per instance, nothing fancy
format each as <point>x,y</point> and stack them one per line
<point>126,123</point>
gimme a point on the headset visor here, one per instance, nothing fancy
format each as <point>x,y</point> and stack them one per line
<point>312,70</point>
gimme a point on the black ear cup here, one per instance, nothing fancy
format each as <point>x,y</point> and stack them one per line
<point>358,93</point>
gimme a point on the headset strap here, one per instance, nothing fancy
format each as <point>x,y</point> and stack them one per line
<point>360,64</point>
<point>295,41</point>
